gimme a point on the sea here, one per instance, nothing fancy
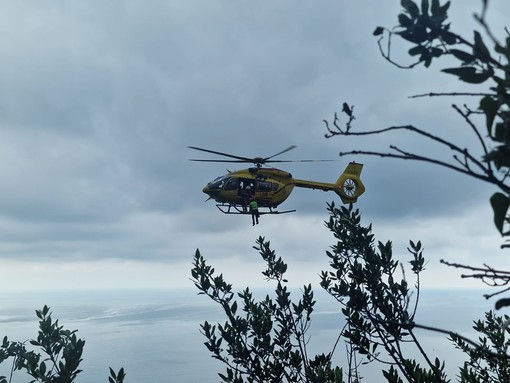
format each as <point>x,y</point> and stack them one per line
<point>155,334</point>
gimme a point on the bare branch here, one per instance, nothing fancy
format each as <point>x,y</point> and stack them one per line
<point>449,94</point>
<point>477,133</point>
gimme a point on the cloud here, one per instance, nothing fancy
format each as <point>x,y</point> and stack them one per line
<point>99,102</point>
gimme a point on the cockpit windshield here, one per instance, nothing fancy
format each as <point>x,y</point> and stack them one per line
<point>218,183</point>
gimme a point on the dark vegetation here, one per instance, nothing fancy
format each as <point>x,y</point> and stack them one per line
<point>54,357</point>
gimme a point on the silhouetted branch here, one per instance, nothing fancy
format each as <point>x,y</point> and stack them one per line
<point>349,111</point>
<point>488,275</point>
<point>449,94</point>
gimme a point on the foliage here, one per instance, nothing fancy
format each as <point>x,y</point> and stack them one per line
<point>268,341</point>
<point>375,301</point>
<point>488,362</point>
<point>59,357</point>
<point>483,59</point>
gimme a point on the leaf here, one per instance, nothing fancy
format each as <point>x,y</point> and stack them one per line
<point>418,35</point>
<point>417,50</point>
<point>476,78</point>
<point>462,56</point>
<point>500,204</point>
<point>378,31</point>
<point>436,52</point>
<point>480,49</point>
<point>468,74</point>
<point>504,50</point>
<point>424,7</point>
<point>410,8</point>
<point>449,38</point>
<point>489,106</point>
<point>434,9</point>
<point>404,20</point>
<point>500,135</point>
<point>444,8</point>
<point>460,71</point>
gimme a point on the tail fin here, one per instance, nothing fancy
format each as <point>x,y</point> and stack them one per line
<point>349,185</point>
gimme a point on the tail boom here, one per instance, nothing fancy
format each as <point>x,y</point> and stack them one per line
<point>348,186</point>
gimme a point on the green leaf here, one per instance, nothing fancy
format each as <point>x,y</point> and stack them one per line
<point>500,204</point>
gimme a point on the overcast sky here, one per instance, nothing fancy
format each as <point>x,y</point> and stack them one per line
<point>99,101</point>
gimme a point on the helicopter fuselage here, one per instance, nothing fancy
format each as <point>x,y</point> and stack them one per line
<point>268,186</point>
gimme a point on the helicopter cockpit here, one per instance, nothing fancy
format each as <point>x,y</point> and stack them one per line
<point>230,183</point>
<point>217,183</point>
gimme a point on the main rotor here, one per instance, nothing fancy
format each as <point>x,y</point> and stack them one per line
<point>257,161</point>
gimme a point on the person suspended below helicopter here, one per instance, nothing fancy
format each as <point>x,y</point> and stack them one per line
<point>254,210</point>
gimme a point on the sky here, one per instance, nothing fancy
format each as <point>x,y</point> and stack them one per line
<point>99,102</point>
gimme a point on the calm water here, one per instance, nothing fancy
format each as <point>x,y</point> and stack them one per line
<point>155,334</point>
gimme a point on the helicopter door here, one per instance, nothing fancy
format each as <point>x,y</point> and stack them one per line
<point>246,185</point>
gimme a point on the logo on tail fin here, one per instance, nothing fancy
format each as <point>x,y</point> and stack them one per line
<point>349,185</point>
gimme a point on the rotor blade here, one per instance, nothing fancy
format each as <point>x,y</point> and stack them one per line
<point>283,151</point>
<point>272,161</point>
<point>229,161</point>
<point>316,161</point>
<point>222,154</point>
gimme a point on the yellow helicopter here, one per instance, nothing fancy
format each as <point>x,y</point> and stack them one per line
<point>270,186</point>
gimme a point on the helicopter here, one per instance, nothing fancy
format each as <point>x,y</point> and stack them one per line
<point>270,187</point>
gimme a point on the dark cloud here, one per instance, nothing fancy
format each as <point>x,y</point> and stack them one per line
<point>99,102</point>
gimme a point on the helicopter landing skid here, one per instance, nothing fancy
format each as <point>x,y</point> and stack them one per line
<point>236,209</point>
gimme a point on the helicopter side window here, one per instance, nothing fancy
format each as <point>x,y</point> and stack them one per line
<point>264,186</point>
